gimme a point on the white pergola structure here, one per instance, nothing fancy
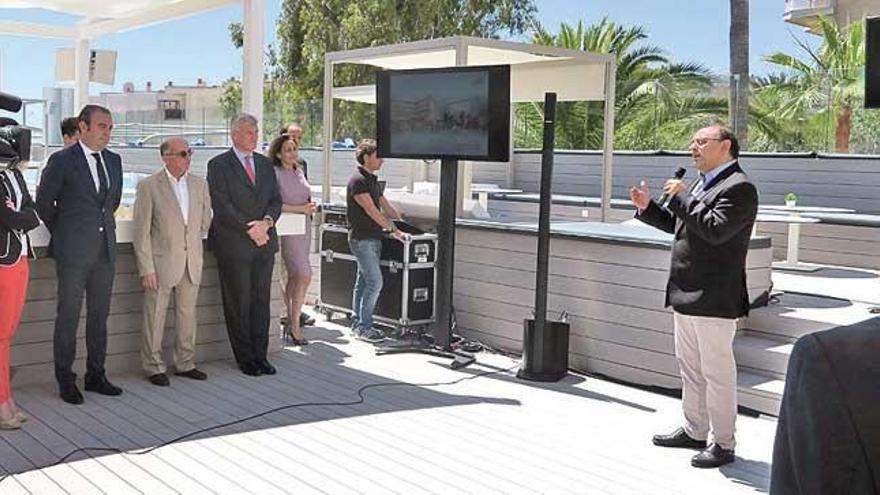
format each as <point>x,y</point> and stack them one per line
<point>115,16</point>
<point>573,75</point>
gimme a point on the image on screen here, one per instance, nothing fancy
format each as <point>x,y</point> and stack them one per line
<point>431,112</point>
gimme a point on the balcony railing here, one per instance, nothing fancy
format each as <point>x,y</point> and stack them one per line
<point>792,6</point>
<point>806,12</point>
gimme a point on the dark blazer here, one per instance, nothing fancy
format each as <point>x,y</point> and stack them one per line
<point>828,433</point>
<point>70,206</point>
<point>15,223</point>
<point>236,202</point>
<point>707,276</point>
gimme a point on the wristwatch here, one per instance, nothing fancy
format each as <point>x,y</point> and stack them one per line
<point>269,219</point>
<point>392,230</point>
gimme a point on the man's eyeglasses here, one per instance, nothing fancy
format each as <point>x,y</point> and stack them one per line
<point>704,141</point>
<point>182,154</point>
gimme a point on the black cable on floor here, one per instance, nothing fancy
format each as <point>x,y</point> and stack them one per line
<point>361,399</point>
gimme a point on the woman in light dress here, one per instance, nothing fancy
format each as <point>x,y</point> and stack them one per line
<point>295,198</point>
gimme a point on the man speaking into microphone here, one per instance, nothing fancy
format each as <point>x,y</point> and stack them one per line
<point>711,219</point>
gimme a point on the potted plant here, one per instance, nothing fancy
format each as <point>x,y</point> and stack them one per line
<point>791,199</point>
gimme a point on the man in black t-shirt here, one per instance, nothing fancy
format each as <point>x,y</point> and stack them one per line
<point>370,218</point>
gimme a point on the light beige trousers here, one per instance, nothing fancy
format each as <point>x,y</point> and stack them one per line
<point>155,309</point>
<point>704,349</point>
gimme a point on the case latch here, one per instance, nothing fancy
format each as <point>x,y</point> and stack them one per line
<point>420,294</point>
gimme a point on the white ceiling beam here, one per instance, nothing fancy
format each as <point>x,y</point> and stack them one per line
<point>37,30</point>
<point>149,16</point>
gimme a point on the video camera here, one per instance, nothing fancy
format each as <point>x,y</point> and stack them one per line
<point>15,140</point>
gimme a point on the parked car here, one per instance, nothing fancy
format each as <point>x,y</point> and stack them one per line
<point>345,143</point>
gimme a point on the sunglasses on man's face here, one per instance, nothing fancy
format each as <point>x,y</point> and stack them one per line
<point>182,154</point>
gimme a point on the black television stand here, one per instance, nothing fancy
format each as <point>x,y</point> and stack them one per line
<point>444,272</point>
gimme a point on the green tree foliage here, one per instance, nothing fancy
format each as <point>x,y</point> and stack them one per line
<point>657,102</point>
<point>230,98</point>
<point>307,29</point>
<point>822,89</point>
<point>768,130</point>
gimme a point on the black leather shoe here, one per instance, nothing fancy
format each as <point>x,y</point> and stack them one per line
<point>678,439</point>
<point>159,379</point>
<point>306,320</point>
<point>713,456</point>
<point>195,374</point>
<point>266,367</point>
<point>250,369</point>
<point>103,387</point>
<point>70,394</point>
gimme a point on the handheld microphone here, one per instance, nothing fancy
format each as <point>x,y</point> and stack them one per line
<point>679,173</point>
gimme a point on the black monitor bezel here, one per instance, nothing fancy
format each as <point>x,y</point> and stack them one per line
<point>499,113</point>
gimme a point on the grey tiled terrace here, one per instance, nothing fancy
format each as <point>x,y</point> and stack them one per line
<point>488,434</point>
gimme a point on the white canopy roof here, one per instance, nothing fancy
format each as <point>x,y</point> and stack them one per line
<point>574,75</point>
<point>100,18</point>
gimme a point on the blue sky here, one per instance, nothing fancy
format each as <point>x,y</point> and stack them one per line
<point>186,49</point>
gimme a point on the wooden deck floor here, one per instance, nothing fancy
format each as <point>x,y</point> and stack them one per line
<point>486,434</point>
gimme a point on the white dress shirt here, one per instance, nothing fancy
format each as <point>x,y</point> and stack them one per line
<point>242,156</point>
<point>709,176</point>
<point>181,192</point>
<point>93,166</point>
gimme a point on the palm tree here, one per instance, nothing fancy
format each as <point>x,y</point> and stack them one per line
<point>829,82</point>
<point>773,130</point>
<point>652,98</point>
<point>739,70</point>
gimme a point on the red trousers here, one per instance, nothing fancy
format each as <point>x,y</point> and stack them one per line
<point>13,288</point>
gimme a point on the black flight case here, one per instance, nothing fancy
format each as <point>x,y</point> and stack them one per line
<point>407,297</point>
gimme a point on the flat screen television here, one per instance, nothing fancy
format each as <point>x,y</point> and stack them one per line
<point>460,113</point>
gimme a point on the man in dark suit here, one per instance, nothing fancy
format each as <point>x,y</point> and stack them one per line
<point>712,220</point>
<point>247,203</point>
<point>79,191</point>
<point>828,434</point>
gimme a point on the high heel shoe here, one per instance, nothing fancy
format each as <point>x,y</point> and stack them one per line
<point>288,335</point>
<point>12,423</point>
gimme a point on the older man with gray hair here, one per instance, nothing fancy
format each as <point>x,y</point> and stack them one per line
<point>172,214</point>
<point>247,203</point>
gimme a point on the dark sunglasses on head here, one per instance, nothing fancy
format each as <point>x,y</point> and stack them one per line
<point>182,154</point>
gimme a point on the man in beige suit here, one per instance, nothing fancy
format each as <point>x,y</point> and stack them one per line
<point>172,213</point>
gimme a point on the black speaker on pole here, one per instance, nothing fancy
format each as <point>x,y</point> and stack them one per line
<point>872,62</point>
<point>545,342</point>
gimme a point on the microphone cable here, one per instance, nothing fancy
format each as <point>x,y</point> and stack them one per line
<point>360,400</point>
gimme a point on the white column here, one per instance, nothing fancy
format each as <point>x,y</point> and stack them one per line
<point>465,169</point>
<point>509,172</point>
<point>327,148</point>
<point>252,69</point>
<point>608,143</point>
<point>82,54</point>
